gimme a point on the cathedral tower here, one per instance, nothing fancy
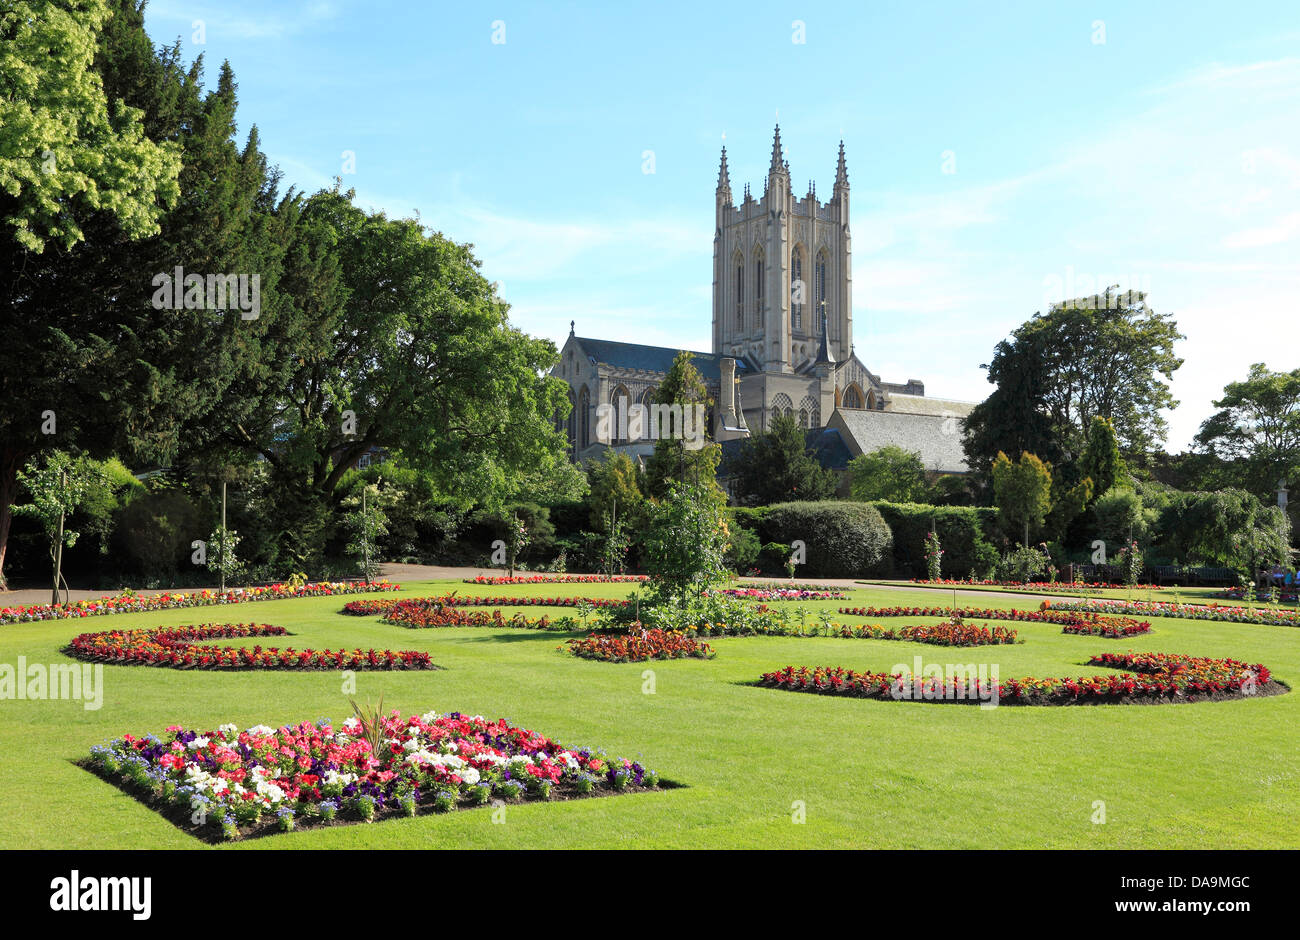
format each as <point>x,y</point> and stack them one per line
<point>782,269</point>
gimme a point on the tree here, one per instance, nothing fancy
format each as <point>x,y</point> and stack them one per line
<point>889,473</point>
<point>1256,431</point>
<point>1101,461</point>
<point>1023,491</point>
<point>368,523</point>
<point>615,490</point>
<point>1014,418</point>
<point>681,457</point>
<point>686,538</point>
<point>59,485</point>
<point>1109,355</point>
<point>67,149</point>
<point>776,466</point>
<point>1230,528</point>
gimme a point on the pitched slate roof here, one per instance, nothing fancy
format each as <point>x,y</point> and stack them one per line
<point>920,405</point>
<point>651,358</point>
<point>937,438</point>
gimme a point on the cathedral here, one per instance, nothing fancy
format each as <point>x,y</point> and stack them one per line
<point>782,341</point>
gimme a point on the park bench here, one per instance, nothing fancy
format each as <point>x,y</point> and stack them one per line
<point>1211,576</point>
<point>1170,574</point>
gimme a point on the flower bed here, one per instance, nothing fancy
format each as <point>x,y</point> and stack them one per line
<point>185,648</point>
<point>943,634</point>
<point>1150,678</point>
<point>136,603</point>
<point>557,579</point>
<point>1089,622</point>
<point>782,585</point>
<point>640,646</point>
<point>1056,587</point>
<point>1235,614</point>
<point>1112,628</point>
<point>428,616</point>
<point>384,605</point>
<point>782,594</point>
<point>228,784</point>
<point>1288,596</point>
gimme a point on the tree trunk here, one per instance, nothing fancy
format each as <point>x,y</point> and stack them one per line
<point>1026,533</point>
<point>8,489</point>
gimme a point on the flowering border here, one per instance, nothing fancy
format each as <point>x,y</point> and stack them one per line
<point>1149,678</point>
<point>137,603</point>
<point>228,784</point>
<point>1072,620</point>
<point>385,605</point>
<point>1055,587</point>
<point>640,647</point>
<point>183,648</point>
<point>1260,616</point>
<point>556,579</point>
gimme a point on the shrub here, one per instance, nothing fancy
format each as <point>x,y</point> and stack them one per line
<point>842,539</point>
<point>963,531</point>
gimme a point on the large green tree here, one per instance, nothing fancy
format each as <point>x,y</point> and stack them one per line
<point>1109,355</point>
<point>891,473</point>
<point>681,457</point>
<point>68,149</point>
<point>1256,431</point>
<point>1023,489</point>
<point>776,466</point>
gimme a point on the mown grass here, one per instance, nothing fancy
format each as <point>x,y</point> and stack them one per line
<point>868,774</point>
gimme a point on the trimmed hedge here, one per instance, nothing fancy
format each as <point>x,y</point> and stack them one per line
<point>965,535</point>
<point>842,539</point>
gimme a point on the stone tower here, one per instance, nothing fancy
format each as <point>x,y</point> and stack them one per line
<point>781,269</point>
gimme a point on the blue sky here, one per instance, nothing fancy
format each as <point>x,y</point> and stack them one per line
<point>1154,145</point>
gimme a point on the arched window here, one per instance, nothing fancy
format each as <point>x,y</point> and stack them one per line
<point>621,401</point>
<point>798,290</point>
<point>758,289</point>
<point>809,413</point>
<point>740,294</point>
<point>584,418</point>
<point>820,277</point>
<point>571,422</point>
<point>852,397</point>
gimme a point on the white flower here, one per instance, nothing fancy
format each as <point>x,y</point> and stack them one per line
<point>199,743</point>
<point>469,775</point>
<point>228,731</point>
<point>429,717</point>
<point>259,731</point>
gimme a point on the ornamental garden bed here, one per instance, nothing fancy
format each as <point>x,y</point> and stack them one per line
<point>1147,679</point>
<point>640,646</point>
<point>1233,614</point>
<point>557,579</point>
<point>383,605</point>
<point>227,784</point>
<point>1090,623</point>
<point>186,647</point>
<point>942,634</point>
<point>421,617</point>
<point>136,603</point>
<point>1056,587</point>
<point>782,594</point>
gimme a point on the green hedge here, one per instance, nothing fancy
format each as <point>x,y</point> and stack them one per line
<point>966,536</point>
<point>842,539</point>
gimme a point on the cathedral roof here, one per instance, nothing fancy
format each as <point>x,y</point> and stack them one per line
<point>636,356</point>
<point>936,437</point>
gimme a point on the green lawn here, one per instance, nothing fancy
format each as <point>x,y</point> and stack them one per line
<point>870,774</point>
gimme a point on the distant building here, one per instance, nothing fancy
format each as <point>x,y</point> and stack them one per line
<point>782,339</point>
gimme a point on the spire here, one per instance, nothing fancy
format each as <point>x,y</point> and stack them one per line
<point>724,178</point>
<point>824,349</point>
<point>841,171</point>
<point>777,163</point>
